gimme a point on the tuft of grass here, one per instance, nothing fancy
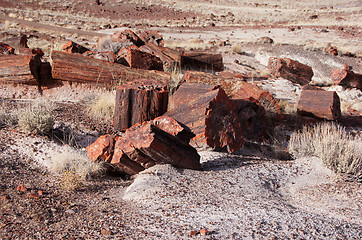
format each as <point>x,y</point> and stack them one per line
<point>236,48</point>
<point>71,181</point>
<point>102,106</point>
<point>7,118</point>
<point>339,151</point>
<point>36,118</point>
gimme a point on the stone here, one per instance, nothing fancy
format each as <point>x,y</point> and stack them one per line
<point>21,188</point>
<point>6,49</point>
<point>72,47</point>
<point>102,148</point>
<point>347,78</point>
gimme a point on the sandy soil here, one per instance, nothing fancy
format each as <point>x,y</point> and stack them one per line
<point>252,194</point>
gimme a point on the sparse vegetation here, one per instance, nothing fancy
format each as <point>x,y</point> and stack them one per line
<point>102,106</point>
<point>36,118</point>
<point>7,119</point>
<point>330,142</point>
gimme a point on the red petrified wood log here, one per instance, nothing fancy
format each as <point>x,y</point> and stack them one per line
<point>289,69</point>
<point>145,145</point>
<point>78,68</point>
<point>102,148</point>
<point>139,59</point>
<point>72,47</point>
<point>347,78</point>
<point>319,104</point>
<point>202,61</point>
<point>138,102</point>
<point>168,57</point>
<point>214,120</point>
<point>152,37</point>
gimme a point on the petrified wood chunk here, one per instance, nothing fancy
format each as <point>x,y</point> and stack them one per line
<point>319,104</point>
<point>164,54</point>
<point>6,49</point>
<point>347,78</point>
<point>145,145</point>
<point>72,47</point>
<point>289,69</point>
<point>152,37</point>
<point>214,120</point>
<point>78,68</point>
<point>139,59</point>
<point>202,61</point>
<point>102,148</point>
<point>138,102</point>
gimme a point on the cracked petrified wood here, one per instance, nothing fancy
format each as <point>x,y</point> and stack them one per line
<point>138,102</point>
<point>213,118</point>
<point>135,58</point>
<point>292,70</point>
<point>72,47</point>
<point>170,58</point>
<point>319,104</point>
<point>145,145</point>
<point>347,78</point>
<point>78,68</point>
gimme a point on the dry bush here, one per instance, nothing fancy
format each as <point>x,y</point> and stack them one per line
<point>330,142</point>
<point>7,118</point>
<point>36,118</point>
<point>102,106</point>
<point>236,48</point>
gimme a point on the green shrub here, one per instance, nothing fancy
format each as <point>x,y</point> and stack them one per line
<point>36,119</point>
<point>330,142</point>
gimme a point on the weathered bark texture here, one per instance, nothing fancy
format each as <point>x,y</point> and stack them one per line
<point>169,58</point>
<point>202,61</point>
<point>78,68</point>
<point>347,78</point>
<point>289,69</point>
<point>227,80</point>
<point>145,145</point>
<point>72,47</point>
<point>138,102</point>
<point>214,120</point>
<point>319,104</point>
<point>139,59</point>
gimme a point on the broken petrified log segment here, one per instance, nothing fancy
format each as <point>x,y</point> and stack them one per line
<point>291,70</point>
<point>169,63</point>
<point>228,80</point>
<point>106,56</point>
<point>102,148</point>
<point>214,120</point>
<point>139,59</point>
<point>138,102</point>
<point>78,68</point>
<point>6,49</point>
<point>202,62</point>
<point>154,37</point>
<point>319,104</point>
<point>145,145</point>
<point>72,47</point>
<point>127,35</point>
<point>347,78</point>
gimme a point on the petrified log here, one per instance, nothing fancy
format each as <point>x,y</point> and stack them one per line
<point>31,52</point>
<point>214,120</point>
<point>228,80</point>
<point>291,70</point>
<point>102,148</point>
<point>161,52</point>
<point>139,59</point>
<point>6,49</point>
<point>127,35</point>
<point>202,61</point>
<point>78,68</point>
<point>106,56</point>
<point>23,41</point>
<point>72,47</point>
<point>319,104</point>
<point>174,128</point>
<point>145,145</point>
<point>347,78</point>
<point>138,102</point>
<point>154,37</point>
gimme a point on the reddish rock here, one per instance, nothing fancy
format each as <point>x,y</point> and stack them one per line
<point>135,58</point>
<point>204,232</point>
<point>174,128</point>
<point>347,78</point>
<point>170,58</point>
<point>31,52</point>
<point>72,47</point>
<point>331,50</point>
<point>319,104</point>
<point>102,148</point>
<point>34,195</point>
<point>127,35</point>
<point>6,49</point>
<point>21,188</point>
<point>193,233</point>
<point>289,69</point>
<point>154,37</point>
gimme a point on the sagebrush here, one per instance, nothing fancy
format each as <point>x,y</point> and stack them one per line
<point>339,150</point>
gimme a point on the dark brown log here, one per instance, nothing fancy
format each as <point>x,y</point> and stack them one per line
<point>229,81</point>
<point>169,63</point>
<point>78,68</point>
<point>144,146</point>
<point>319,104</point>
<point>5,49</point>
<point>72,47</point>
<point>15,68</point>
<point>347,78</point>
<point>214,120</point>
<point>153,37</point>
<point>139,59</point>
<point>138,102</point>
<point>202,62</point>
<point>23,41</point>
<point>291,70</point>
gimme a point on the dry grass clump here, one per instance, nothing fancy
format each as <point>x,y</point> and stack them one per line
<point>330,142</point>
<point>74,168</point>
<point>102,106</point>
<point>7,119</point>
<point>36,118</point>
